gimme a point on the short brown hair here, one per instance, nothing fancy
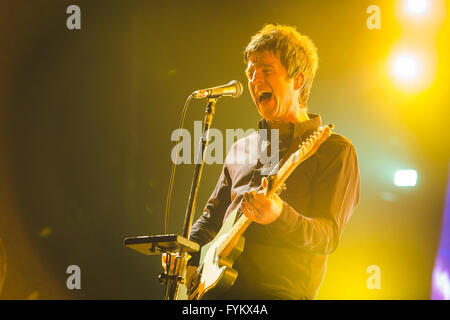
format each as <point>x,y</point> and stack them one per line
<point>297,52</point>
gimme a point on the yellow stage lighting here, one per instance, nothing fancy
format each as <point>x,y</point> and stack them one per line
<point>417,6</point>
<point>411,70</point>
<point>424,16</point>
<point>405,67</point>
<point>405,178</point>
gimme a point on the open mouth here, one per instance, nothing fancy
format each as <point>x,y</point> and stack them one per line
<point>264,96</point>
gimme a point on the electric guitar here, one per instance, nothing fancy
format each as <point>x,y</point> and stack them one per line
<point>216,273</point>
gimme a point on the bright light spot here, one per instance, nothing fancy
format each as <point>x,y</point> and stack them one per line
<point>442,283</point>
<point>405,178</point>
<point>416,6</point>
<point>411,69</point>
<point>424,16</point>
<point>405,67</point>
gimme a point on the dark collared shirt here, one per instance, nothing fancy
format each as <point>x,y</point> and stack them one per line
<point>287,258</point>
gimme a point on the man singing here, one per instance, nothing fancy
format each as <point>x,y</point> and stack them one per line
<point>286,247</point>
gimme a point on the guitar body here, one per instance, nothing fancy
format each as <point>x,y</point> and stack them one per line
<point>216,274</point>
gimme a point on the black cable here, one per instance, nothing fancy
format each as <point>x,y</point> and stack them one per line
<point>174,165</point>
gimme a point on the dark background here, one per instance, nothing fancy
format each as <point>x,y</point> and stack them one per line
<point>86,119</point>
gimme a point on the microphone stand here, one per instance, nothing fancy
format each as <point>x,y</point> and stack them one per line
<point>181,259</point>
<point>209,113</point>
<point>176,245</point>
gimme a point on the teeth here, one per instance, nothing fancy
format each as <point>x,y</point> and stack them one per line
<point>262,92</point>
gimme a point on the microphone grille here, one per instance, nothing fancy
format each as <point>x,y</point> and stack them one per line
<point>239,88</point>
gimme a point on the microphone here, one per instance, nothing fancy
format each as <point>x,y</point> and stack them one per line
<point>234,89</point>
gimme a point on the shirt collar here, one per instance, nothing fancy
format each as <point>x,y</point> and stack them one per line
<point>301,129</point>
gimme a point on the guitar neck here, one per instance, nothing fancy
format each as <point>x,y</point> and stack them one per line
<point>233,235</point>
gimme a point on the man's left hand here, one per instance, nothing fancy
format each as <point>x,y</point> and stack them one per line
<point>262,209</point>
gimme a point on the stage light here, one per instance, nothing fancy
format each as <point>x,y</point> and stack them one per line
<point>405,67</point>
<point>405,178</point>
<point>416,6</point>
<point>441,284</point>
<point>423,18</point>
<point>412,70</point>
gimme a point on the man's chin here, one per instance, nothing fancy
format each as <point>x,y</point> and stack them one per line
<point>269,114</point>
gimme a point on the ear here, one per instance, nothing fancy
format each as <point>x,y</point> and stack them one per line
<point>299,81</point>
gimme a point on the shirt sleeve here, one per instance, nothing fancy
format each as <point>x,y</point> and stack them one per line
<point>335,194</point>
<point>209,223</point>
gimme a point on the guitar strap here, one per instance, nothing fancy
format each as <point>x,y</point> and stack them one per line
<point>292,148</point>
